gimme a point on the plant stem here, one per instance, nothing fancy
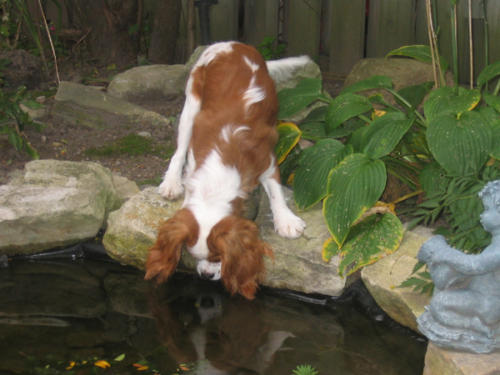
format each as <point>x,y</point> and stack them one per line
<point>50,41</point>
<point>431,44</point>
<point>471,48</point>
<point>407,196</point>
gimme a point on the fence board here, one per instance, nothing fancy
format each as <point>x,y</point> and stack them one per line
<point>303,27</point>
<point>224,20</point>
<point>391,24</point>
<point>421,36</point>
<point>347,34</point>
<point>261,20</point>
<point>493,17</point>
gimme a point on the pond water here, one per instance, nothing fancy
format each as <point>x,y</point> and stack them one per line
<point>64,316</point>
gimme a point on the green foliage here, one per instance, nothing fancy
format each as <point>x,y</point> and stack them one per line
<point>450,150</point>
<point>354,186</point>
<point>13,120</point>
<point>305,370</point>
<point>421,282</point>
<point>270,49</point>
<point>382,230</point>
<point>420,53</point>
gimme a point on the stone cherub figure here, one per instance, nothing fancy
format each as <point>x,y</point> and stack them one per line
<point>464,312</point>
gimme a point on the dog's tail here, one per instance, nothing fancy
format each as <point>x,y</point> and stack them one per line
<point>282,70</point>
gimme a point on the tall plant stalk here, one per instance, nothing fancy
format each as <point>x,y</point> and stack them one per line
<point>471,47</point>
<point>50,41</point>
<point>436,63</point>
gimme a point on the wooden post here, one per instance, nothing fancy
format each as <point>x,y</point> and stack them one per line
<point>391,24</point>
<point>347,34</point>
<point>303,27</point>
<point>261,20</point>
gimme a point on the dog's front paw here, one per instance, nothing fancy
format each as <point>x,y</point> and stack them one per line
<point>171,188</point>
<point>288,225</point>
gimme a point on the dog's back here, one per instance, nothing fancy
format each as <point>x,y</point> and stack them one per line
<point>238,109</point>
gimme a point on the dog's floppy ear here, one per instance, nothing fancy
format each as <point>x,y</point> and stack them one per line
<point>235,241</point>
<point>166,252</point>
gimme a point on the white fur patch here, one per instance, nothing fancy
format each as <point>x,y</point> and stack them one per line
<point>281,70</point>
<point>231,130</point>
<point>212,51</point>
<point>253,93</point>
<point>209,192</point>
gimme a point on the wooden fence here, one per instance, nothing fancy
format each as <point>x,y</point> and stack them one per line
<point>344,31</point>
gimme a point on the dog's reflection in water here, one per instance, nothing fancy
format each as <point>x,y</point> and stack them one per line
<point>220,335</point>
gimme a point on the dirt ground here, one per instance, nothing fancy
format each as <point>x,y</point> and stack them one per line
<point>63,141</point>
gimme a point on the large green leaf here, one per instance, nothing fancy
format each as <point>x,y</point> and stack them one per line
<point>315,164</point>
<point>369,241</point>
<point>313,126</point>
<point>384,133</point>
<point>354,186</point>
<point>491,117</point>
<point>415,94</point>
<point>418,52</point>
<point>344,107</point>
<point>461,146</point>
<point>492,100</point>
<point>447,100</point>
<point>373,82</point>
<point>292,101</point>
<point>289,135</point>
<point>433,180</point>
<point>488,73</point>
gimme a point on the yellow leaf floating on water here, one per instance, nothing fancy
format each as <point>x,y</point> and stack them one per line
<point>102,364</point>
<point>140,367</point>
<point>183,367</point>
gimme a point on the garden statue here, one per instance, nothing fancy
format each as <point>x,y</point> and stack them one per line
<point>464,312</point>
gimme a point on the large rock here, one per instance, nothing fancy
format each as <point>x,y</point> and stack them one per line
<point>297,265</point>
<point>88,106</point>
<point>403,71</point>
<point>156,81</point>
<point>147,81</point>
<point>447,362</point>
<point>383,278</point>
<point>132,229</point>
<point>57,203</point>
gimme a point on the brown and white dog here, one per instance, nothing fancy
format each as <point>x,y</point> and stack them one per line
<point>227,133</point>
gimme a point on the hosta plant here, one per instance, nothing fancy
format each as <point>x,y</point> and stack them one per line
<point>357,141</point>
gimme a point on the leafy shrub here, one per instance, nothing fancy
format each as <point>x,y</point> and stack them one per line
<point>271,49</point>
<point>449,151</point>
<point>13,120</point>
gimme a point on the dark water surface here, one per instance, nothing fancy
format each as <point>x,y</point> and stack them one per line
<point>63,317</point>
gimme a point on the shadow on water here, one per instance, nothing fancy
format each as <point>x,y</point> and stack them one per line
<point>64,316</point>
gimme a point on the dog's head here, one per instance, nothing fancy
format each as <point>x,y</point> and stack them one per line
<point>235,251</point>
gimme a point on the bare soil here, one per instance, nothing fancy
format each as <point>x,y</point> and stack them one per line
<point>61,140</point>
